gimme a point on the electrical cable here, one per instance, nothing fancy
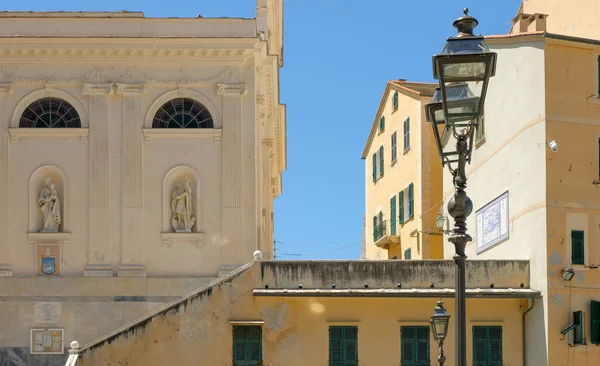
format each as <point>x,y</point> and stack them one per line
<point>323,252</point>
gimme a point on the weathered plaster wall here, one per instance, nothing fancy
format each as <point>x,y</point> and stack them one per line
<point>512,159</point>
<point>198,331</point>
<point>573,202</point>
<point>577,18</point>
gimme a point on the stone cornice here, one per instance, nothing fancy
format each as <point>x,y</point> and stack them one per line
<point>97,89</point>
<point>6,88</point>
<point>223,89</point>
<point>135,89</point>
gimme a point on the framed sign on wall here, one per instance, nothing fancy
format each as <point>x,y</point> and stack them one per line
<point>492,223</point>
<point>47,341</point>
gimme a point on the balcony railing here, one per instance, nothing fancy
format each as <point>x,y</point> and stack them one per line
<point>382,237</point>
<point>380,231</point>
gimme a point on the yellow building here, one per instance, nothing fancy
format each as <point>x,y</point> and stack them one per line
<point>344,313</point>
<point>402,177</point>
<point>534,180</point>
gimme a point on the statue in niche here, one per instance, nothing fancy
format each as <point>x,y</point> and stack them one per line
<point>50,207</point>
<point>181,204</point>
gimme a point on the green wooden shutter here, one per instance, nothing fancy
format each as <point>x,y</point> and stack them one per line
<point>247,346</point>
<point>595,339</point>
<point>578,331</point>
<point>381,123</point>
<point>401,195</point>
<point>577,247</point>
<point>239,345</point>
<point>408,357</point>
<point>381,161</point>
<point>374,229</point>
<point>411,205</point>
<point>395,101</point>
<point>335,346</point>
<point>495,346</point>
<point>480,131</point>
<point>350,346</point>
<point>408,253</point>
<point>374,167</point>
<point>479,346</point>
<point>422,346</point>
<point>394,146</point>
<point>393,216</point>
<point>407,134</point>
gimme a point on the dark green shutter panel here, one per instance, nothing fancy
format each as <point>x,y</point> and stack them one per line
<point>408,357</point>
<point>401,195</point>
<point>395,101</point>
<point>422,346</point>
<point>479,348</point>
<point>393,216</point>
<point>239,345</point>
<point>408,253</point>
<point>254,346</point>
<point>382,123</point>
<point>374,228</point>
<point>578,320</point>
<point>595,322</point>
<point>495,346</point>
<point>577,249</point>
<point>335,346</point>
<point>350,346</point>
<point>381,161</point>
<point>410,200</point>
<point>374,167</point>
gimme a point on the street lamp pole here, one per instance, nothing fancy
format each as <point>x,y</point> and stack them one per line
<point>463,68</point>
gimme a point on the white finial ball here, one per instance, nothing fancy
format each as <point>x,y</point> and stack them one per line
<point>74,344</point>
<point>257,255</point>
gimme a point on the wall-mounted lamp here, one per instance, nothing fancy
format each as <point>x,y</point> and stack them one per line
<point>441,221</point>
<point>568,274</point>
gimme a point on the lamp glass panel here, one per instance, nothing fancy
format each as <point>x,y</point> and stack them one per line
<point>458,71</point>
<point>441,327</point>
<point>463,100</point>
<point>440,221</point>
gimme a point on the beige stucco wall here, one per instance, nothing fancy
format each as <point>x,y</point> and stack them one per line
<point>573,121</point>
<point>293,325</point>
<point>577,18</point>
<point>512,159</point>
<point>413,165</point>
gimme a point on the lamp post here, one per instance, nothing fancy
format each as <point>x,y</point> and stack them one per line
<point>439,328</point>
<point>463,68</point>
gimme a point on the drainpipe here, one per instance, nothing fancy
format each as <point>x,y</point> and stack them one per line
<point>524,326</point>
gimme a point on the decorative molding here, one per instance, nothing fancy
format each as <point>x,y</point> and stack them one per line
<point>18,133</point>
<point>238,55</point>
<point>46,238</point>
<point>196,133</point>
<point>6,88</point>
<point>131,89</point>
<point>223,89</point>
<point>194,238</point>
<point>96,75</point>
<point>267,142</point>
<point>97,89</point>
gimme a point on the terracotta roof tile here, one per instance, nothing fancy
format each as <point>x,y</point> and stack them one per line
<point>421,89</point>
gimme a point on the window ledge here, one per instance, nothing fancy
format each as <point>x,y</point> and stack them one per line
<point>194,238</point>
<point>394,162</point>
<point>580,267</point>
<point>406,151</point>
<point>39,237</point>
<point>479,142</point>
<point>197,133</point>
<point>595,99</point>
<point>33,132</point>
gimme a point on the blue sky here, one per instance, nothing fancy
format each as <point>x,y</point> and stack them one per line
<point>338,55</point>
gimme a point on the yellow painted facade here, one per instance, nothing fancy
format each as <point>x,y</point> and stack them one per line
<point>407,178</point>
<point>295,323</point>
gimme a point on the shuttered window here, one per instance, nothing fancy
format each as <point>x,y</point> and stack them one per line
<point>480,131</point>
<point>374,167</point>
<point>414,346</point>
<point>401,198</point>
<point>394,147</point>
<point>487,346</point>
<point>393,216</point>
<point>381,124</point>
<point>381,160</point>
<point>247,345</point>
<point>578,335</point>
<point>375,238</point>
<point>407,134</point>
<point>408,253</point>
<point>395,101</point>
<point>411,200</point>
<point>343,346</point>
<point>595,312</point>
<point>577,247</point>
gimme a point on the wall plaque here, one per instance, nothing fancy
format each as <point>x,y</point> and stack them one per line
<point>47,341</point>
<point>48,260</point>
<point>492,223</point>
<point>47,312</point>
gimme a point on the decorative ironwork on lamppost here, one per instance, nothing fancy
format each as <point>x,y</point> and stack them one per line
<point>439,328</point>
<point>463,68</point>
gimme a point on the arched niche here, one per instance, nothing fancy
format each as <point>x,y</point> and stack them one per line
<point>182,93</point>
<point>45,93</point>
<point>37,182</point>
<point>174,176</point>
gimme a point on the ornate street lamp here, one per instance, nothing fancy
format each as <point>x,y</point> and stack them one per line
<point>439,328</point>
<point>463,68</point>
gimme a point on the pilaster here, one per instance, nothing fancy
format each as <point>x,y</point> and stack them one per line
<point>232,173</point>
<point>98,174</point>
<point>5,263</point>
<point>132,198</point>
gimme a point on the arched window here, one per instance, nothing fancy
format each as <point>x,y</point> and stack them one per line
<point>182,113</point>
<point>50,113</point>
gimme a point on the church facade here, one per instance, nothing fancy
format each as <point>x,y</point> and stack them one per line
<point>139,159</point>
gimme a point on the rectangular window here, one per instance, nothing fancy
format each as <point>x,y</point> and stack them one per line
<point>578,335</point>
<point>343,346</point>
<point>395,101</point>
<point>408,253</point>
<point>247,345</point>
<point>411,200</point>
<point>374,167</point>
<point>381,124</point>
<point>407,134</point>
<point>375,238</point>
<point>414,344</point>
<point>480,131</point>
<point>394,143</point>
<point>487,346</point>
<point>401,198</point>
<point>577,247</point>
<point>595,311</point>
<point>393,216</point>
<point>381,160</point>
